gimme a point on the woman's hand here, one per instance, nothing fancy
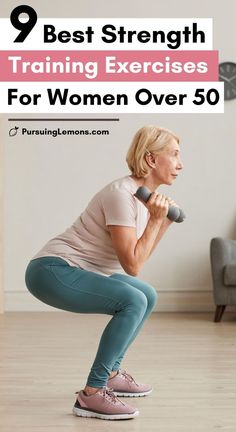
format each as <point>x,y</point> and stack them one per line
<point>172,202</point>
<point>166,222</point>
<point>157,206</point>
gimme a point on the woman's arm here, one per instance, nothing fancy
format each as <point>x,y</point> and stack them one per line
<point>131,252</point>
<point>165,225</point>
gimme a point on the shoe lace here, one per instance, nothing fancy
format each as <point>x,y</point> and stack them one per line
<point>108,394</point>
<point>128,377</point>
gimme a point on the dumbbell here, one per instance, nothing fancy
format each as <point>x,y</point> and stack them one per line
<point>175,214</point>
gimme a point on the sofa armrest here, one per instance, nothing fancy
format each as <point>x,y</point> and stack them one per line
<point>220,254</point>
<point>230,274</point>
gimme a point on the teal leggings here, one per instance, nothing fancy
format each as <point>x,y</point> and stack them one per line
<point>129,300</point>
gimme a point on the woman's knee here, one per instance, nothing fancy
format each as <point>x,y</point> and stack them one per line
<point>145,288</point>
<point>136,301</point>
<point>151,295</point>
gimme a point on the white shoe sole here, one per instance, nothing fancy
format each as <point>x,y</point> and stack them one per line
<point>118,393</point>
<point>84,413</point>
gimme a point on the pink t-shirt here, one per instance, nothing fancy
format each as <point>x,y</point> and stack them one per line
<point>87,243</point>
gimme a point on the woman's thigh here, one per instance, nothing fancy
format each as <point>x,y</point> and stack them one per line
<point>53,281</point>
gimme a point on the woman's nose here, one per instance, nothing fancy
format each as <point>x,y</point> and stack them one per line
<point>180,165</point>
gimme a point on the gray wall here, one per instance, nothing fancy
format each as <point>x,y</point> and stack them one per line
<point>48,181</point>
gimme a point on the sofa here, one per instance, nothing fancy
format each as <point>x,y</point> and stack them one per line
<point>223,268</point>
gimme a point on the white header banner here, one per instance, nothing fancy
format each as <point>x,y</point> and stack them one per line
<point>105,33</point>
<point>112,97</point>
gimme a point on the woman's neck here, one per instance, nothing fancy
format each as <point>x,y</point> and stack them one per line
<point>149,182</point>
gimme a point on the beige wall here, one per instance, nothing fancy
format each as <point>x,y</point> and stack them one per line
<point>49,181</point>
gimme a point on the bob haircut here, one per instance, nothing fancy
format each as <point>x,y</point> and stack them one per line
<point>148,139</point>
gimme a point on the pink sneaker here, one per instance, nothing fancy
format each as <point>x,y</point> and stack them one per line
<point>124,385</point>
<point>104,405</point>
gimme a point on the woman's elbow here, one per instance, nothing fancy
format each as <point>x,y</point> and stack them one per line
<point>131,269</point>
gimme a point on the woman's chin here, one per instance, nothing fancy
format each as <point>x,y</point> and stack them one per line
<point>169,182</point>
<point>166,181</point>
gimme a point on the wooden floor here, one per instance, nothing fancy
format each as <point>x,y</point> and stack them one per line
<point>190,361</point>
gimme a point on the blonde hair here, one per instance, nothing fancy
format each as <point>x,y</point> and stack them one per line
<point>148,139</point>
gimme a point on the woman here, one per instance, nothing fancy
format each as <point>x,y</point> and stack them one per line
<point>92,267</point>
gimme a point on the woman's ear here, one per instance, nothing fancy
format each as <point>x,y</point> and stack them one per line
<point>150,159</point>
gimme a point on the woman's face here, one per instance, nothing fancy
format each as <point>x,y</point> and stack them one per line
<point>168,163</point>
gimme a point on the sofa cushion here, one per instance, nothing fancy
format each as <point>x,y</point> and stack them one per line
<point>230,274</point>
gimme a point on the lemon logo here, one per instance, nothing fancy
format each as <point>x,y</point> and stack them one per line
<point>13,131</point>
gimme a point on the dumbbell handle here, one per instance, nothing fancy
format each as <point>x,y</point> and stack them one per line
<point>174,213</point>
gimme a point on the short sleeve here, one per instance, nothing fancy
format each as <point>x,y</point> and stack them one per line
<point>119,208</point>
